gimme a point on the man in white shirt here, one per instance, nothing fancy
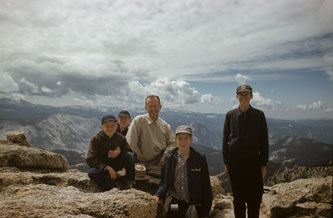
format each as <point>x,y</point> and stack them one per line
<point>150,137</point>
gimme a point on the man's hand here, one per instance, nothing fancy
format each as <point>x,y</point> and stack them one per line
<point>112,173</point>
<point>226,170</point>
<point>156,198</point>
<point>162,159</point>
<point>263,171</point>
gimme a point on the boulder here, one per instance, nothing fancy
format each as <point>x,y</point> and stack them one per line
<point>14,176</point>
<point>216,185</point>
<point>303,197</point>
<point>25,157</point>
<point>41,200</point>
<point>19,138</point>
<point>222,207</point>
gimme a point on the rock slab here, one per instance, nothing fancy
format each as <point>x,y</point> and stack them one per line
<point>26,157</point>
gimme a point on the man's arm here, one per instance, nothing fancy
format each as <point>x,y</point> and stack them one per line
<point>264,141</point>
<point>171,144</point>
<point>133,135</point>
<point>225,143</point>
<point>170,140</point>
<point>163,186</point>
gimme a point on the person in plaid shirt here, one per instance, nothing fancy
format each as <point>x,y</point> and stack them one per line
<point>185,179</point>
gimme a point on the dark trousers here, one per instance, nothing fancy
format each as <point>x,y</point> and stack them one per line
<point>182,209</point>
<point>247,186</point>
<point>252,209</point>
<point>103,179</point>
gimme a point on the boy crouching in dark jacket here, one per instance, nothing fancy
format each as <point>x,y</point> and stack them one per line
<point>185,183</point>
<point>107,154</point>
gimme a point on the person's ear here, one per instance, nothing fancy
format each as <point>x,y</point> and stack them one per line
<point>146,107</point>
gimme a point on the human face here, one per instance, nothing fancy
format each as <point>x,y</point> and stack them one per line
<point>183,140</point>
<point>123,122</point>
<point>109,128</point>
<point>153,108</point>
<point>244,98</point>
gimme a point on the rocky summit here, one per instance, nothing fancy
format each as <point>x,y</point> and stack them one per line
<point>38,183</point>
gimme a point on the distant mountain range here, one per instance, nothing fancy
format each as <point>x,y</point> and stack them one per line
<point>290,151</point>
<point>68,130</point>
<point>207,127</point>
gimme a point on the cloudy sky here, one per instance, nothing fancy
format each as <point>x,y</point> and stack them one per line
<point>191,53</point>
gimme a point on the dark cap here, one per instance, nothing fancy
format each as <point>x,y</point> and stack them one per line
<point>108,118</point>
<point>124,114</point>
<point>244,88</point>
<point>184,129</point>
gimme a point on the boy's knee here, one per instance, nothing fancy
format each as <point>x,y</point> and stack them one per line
<point>92,172</point>
<point>130,157</point>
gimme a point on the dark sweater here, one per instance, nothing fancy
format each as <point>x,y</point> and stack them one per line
<point>245,135</point>
<point>100,145</point>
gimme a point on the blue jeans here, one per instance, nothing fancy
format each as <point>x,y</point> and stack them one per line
<point>103,179</point>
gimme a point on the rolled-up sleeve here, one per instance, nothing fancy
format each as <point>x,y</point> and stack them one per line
<point>133,136</point>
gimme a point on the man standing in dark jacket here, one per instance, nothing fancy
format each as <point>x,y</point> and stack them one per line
<point>245,153</point>
<point>185,178</point>
<point>107,154</point>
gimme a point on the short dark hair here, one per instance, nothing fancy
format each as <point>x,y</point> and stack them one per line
<point>153,96</point>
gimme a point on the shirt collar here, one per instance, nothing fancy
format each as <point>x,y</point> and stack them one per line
<point>177,152</point>
<point>150,121</point>
<point>240,112</point>
<point>106,136</point>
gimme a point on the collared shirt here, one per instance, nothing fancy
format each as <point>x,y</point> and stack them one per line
<point>199,187</point>
<point>179,189</point>
<point>245,134</point>
<point>148,138</point>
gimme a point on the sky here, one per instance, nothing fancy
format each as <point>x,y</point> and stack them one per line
<point>192,53</point>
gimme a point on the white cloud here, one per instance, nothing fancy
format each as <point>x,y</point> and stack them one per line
<point>329,109</point>
<point>303,107</point>
<point>210,99</point>
<point>171,92</point>
<point>241,79</point>
<point>260,101</point>
<point>97,48</point>
<point>84,101</point>
<point>158,37</point>
<point>31,88</point>
<point>46,90</point>
<point>317,105</point>
<point>330,74</point>
<point>7,83</point>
